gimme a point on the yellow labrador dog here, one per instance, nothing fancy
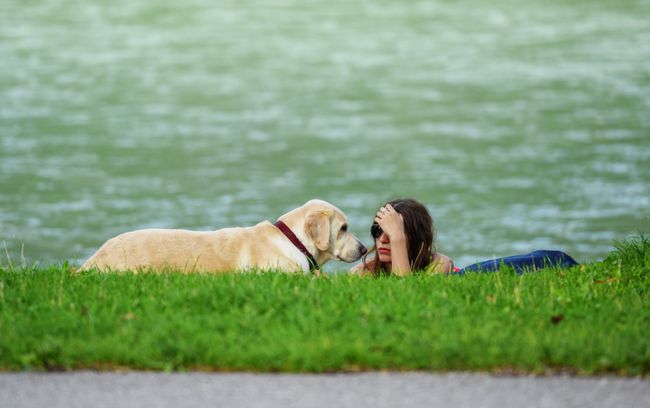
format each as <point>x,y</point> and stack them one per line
<point>301,240</point>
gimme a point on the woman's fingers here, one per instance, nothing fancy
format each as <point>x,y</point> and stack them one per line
<point>390,220</point>
<point>385,210</point>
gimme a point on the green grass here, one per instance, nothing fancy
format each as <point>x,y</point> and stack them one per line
<point>590,319</point>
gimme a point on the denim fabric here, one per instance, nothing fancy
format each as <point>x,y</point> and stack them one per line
<point>520,263</point>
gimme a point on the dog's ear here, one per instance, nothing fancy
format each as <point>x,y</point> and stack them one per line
<point>317,227</point>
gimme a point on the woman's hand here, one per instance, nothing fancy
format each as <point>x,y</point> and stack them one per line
<point>391,222</point>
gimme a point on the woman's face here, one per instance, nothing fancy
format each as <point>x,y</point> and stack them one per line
<point>383,248</point>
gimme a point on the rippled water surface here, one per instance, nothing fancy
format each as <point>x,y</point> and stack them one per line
<point>521,124</point>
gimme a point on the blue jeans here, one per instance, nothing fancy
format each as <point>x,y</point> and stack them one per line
<point>520,263</point>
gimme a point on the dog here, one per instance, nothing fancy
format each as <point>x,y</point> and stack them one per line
<point>302,240</point>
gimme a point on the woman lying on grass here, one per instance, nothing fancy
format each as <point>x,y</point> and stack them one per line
<point>404,242</point>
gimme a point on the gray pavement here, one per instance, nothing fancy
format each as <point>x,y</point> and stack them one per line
<point>377,389</point>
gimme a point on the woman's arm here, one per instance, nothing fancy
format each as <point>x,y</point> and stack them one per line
<point>400,265</point>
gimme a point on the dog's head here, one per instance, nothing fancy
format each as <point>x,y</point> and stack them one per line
<point>323,229</point>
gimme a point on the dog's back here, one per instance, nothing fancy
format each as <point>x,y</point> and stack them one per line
<point>192,251</point>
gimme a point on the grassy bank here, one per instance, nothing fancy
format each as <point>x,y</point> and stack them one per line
<point>590,319</point>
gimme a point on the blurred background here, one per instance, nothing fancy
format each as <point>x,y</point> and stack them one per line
<point>522,125</point>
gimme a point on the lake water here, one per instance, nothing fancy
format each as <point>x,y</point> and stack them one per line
<point>521,124</point>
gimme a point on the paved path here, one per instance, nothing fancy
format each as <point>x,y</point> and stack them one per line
<point>143,389</point>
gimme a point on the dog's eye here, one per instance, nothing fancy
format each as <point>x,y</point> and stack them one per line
<point>344,228</point>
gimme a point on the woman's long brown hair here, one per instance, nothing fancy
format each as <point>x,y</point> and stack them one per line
<point>420,237</point>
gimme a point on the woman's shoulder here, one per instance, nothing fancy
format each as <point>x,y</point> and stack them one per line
<point>441,263</point>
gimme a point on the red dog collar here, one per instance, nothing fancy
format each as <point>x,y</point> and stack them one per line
<point>313,265</point>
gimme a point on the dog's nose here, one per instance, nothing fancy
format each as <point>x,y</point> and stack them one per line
<point>362,249</point>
